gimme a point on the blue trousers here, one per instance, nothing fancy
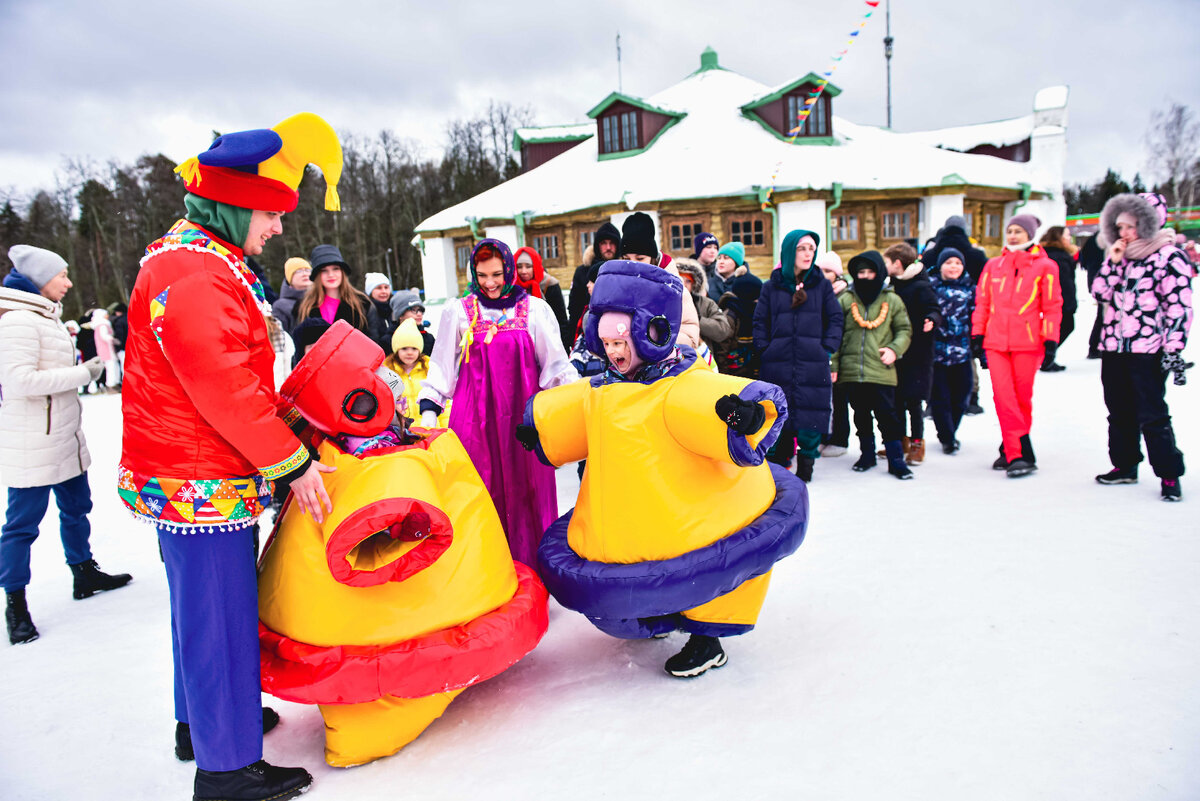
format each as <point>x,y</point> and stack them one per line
<point>214,642</point>
<point>26,508</point>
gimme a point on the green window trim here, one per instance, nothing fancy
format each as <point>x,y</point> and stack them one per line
<point>799,140</point>
<point>620,154</point>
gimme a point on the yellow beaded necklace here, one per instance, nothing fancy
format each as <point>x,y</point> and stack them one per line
<point>878,321</point>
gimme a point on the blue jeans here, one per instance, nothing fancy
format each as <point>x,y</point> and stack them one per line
<point>26,508</point>
<point>214,643</point>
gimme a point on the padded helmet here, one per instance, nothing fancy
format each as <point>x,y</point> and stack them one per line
<point>650,295</point>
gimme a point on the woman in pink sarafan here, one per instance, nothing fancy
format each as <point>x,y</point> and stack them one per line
<point>495,348</point>
<point>1145,282</point>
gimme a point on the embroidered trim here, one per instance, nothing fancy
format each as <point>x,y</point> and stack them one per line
<point>878,321</point>
<point>471,306</point>
<point>187,236</point>
<point>192,505</point>
<point>291,416</point>
<point>286,466</point>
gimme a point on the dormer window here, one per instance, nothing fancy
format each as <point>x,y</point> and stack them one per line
<point>818,122</point>
<point>619,131</point>
<point>626,126</point>
<point>779,111</point>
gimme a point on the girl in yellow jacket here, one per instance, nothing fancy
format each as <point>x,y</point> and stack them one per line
<point>659,428</point>
<point>412,365</point>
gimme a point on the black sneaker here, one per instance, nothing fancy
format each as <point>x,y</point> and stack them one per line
<point>260,781</point>
<point>1171,491</point>
<point>183,734</point>
<point>1118,476</point>
<point>89,580</point>
<point>1020,467</point>
<point>951,447</point>
<point>1000,464</point>
<point>974,409</point>
<point>1052,367</point>
<point>698,655</point>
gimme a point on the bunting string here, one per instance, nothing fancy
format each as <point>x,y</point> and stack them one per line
<point>811,101</point>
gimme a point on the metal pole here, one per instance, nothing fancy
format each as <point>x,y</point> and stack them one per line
<point>887,52</point>
<point>619,88</point>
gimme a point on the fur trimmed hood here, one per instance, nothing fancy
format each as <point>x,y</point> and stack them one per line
<point>693,268</point>
<point>1149,209</point>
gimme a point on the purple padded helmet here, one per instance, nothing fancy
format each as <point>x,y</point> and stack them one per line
<point>648,294</point>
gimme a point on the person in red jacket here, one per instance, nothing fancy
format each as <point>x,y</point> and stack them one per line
<point>1018,308</point>
<point>204,437</point>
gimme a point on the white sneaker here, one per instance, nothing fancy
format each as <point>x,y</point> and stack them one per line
<point>832,450</point>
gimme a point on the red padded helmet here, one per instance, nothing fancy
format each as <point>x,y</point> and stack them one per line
<point>335,387</point>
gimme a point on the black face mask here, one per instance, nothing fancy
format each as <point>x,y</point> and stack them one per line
<point>868,289</point>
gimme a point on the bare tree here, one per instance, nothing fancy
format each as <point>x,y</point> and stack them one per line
<point>1173,142</point>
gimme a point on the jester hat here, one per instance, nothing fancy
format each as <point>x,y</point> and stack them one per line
<point>261,169</point>
<point>648,294</point>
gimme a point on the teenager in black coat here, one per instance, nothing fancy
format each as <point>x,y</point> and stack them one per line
<point>914,370</point>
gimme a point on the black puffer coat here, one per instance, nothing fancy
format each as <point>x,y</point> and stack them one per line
<point>915,368</point>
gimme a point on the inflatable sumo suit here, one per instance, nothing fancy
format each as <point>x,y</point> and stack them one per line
<point>679,520</point>
<point>406,593</point>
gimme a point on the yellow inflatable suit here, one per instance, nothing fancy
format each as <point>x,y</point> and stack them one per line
<point>679,519</point>
<point>403,596</point>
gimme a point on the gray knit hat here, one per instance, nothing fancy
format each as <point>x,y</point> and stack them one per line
<point>37,264</point>
<point>1027,221</point>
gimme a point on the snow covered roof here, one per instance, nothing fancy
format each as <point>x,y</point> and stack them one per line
<point>553,133</point>
<point>714,150</point>
<point>1000,133</point>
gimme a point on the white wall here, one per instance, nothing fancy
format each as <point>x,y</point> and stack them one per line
<point>438,269</point>
<point>806,214</point>
<point>505,233</point>
<point>934,211</point>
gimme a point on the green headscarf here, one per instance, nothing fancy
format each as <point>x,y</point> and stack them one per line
<point>787,256</point>
<point>230,223</point>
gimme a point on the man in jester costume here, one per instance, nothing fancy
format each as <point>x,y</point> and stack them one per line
<point>204,440</point>
<point>406,594</point>
<point>657,428</point>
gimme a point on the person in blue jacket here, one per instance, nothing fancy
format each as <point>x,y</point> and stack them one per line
<point>797,326</point>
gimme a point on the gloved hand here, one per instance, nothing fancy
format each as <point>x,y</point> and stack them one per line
<point>1174,363</point>
<point>95,367</point>
<point>429,420</point>
<point>743,416</point>
<point>528,437</point>
<point>977,350</point>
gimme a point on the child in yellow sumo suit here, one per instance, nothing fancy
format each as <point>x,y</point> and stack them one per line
<point>406,593</point>
<point>639,555</point>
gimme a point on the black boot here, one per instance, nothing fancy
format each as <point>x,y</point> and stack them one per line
<point>973,407</point>
<point>895,457</point>
<point>183,734</point>
<point>1002,462</point>
<point>16,615</point>
<point>698,655</point>
<point>260,781</point>
<point>1024,464</point>
<point>804,468</point>
<point>89,580</point>
<point>867,460</point>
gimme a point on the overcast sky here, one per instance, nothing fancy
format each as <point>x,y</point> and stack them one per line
<point>112,80</point>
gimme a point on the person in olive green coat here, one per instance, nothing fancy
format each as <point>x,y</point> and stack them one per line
<point>876,333</point>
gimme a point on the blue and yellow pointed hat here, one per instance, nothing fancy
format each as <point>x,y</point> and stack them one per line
<point>261,169</point>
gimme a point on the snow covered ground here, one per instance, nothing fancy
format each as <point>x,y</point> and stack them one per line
<point>960,636</point>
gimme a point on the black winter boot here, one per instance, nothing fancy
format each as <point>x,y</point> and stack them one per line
<point>183,734</point>
<point>89,580</point>
<point>16,615</point>
<point>867,460</point>
<point>260,781</point>
<point>895,457</point>
<point>804,468</point>
<point>698,655</point>
<point>1002,462</point>
<point>1024,464</point>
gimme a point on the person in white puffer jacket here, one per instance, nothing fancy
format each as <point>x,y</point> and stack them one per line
<point>42,448</point>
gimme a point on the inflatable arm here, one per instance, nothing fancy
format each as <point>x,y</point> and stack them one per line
<point>557,415</point>
<point>692,420</point>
